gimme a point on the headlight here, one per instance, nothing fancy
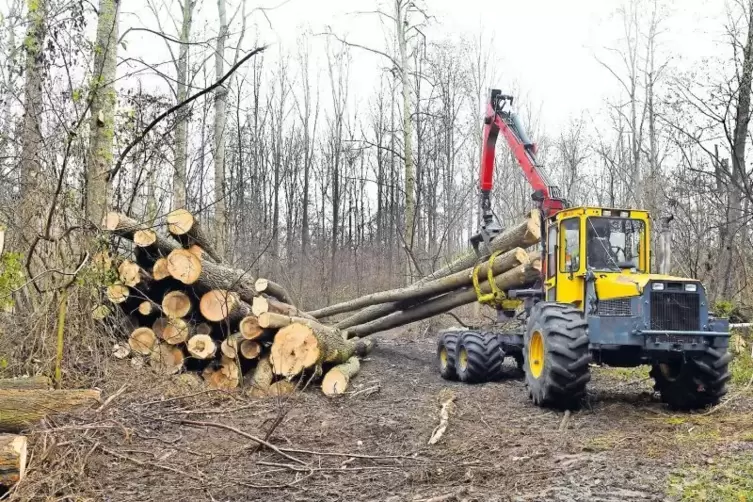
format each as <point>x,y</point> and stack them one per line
<point>657,286</point>
<point>691,287</point>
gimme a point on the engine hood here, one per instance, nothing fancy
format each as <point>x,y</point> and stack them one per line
<point>611,285</point>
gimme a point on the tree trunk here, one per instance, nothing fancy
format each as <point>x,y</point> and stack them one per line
<point>298,347</point>
<point>336,380</point>
<point>222,305</point>
<point>272,289</point>
<point>126,227</point>
<point>32,140</point>
<point>220,121</point>
<point>452,282</point>
<point>181,117</point>
<point>186,229</point>
<point>103,100</point>
<point>522,235</point>
<point>13,450</point>
<point>26,383</point>
<point>269,320</point>
<point>20,409</point>
<point>519,276</point>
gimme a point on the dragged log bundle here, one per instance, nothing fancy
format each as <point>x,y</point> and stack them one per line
<point>195,314</point>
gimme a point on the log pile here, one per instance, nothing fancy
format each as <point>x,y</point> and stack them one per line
<point>194,313</point>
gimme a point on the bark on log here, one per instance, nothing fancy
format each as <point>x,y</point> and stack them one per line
<point>272,289</point>
<point>452,282</point>
<point>185,267</point>
<point>298,347</point>
<point>185,227</point>
<point>160,270</point>
<point>268,320</point>
<point>522,235</point>
<point>13,452</point>
<point>260,305</point>
<point>250,349</point>
<point>126,227</point>
<point>142,341</point>
<point>21,408</point>
<point>26,383</point>
<point>221,305</point>
<point>166,359</point>
<point>518,276</point>
<point>250,329</point>
<point>176,304</point>
<point>201,346</point>
<point>261,378</point>
<point>363,346</point>
<point>336,380</point>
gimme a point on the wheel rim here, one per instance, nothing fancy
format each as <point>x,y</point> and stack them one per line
<point>463,359</point>
<point>443,357</point>
<point>536,354</point>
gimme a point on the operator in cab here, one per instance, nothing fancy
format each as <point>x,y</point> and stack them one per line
<point>598,245</point>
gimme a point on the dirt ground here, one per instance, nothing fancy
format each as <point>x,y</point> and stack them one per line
<point>166,441</point>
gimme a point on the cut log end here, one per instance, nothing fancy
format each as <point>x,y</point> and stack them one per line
<point>176,304</point>
<point>160,270</point>
<point>250,349</point>
<point>281,388</point>
<point>260,305</point>
<point>175,332</point>
<point>142,341</point>
<point>250,329</point>
<point>295,348</point>
<point>184,266</point>
<point>229,348</point>
<point>179,222</point>
<point>144,238</point>
<point>197,251</point>
<point>216,304</point>
<point>13,453</point>
<point>146,308</point>
<point>117,293</point>
<point>167,359</point>
<point>337,379</point>
<point>201,346</point>
<point>111,221</point>
<point>226,377</point>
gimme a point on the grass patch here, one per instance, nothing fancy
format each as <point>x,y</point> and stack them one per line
<point>730,479</point>
<point>742,366</point>
<point>624,374</point>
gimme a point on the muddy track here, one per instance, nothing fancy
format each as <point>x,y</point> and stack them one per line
<point>623,446</point>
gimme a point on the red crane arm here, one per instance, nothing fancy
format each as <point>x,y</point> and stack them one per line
<point>495,124</point>
<point>523,149</point>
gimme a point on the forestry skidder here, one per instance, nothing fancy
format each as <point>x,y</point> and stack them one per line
<point>595,301</point>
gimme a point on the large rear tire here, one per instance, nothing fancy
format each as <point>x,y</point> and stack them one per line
<point>446,354</point>
<point>556,355</point>
<point>694,383</point>
<point>479,357</point>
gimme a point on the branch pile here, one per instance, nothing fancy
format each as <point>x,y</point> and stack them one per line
<point>193,313</point>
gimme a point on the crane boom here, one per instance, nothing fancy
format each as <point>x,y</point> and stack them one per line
<point>500,117</point>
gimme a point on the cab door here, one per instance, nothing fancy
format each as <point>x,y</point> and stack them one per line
<point>552,244</point>
<point>570,277</point>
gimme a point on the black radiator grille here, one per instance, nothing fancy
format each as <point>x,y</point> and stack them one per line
<point>675,311</point>
<point>618,307</point>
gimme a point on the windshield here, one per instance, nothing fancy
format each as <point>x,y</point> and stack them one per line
<point>613,243</point>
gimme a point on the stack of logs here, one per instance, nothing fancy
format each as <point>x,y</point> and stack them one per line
<point>194,313</point>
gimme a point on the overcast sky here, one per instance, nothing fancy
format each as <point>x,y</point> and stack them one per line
<point>548,47</point>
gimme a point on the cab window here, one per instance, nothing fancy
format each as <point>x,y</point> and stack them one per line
<point>570,260</point>
<point>551,253</point>
<point>614,243</point>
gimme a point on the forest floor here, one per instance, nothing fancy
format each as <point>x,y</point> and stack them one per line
<point>162,441</point>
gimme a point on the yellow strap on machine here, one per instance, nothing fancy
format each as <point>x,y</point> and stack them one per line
<point>497,296</point>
